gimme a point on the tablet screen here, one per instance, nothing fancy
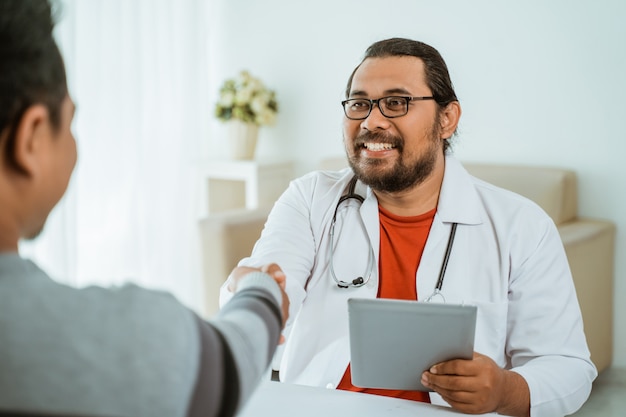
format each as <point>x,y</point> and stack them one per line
<point>393,341</point>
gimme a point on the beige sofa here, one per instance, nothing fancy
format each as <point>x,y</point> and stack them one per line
<point>227,237</point>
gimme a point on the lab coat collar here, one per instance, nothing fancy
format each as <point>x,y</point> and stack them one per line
<point>458,199</point>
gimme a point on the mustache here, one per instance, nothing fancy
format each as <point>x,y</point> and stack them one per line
<point>378,137</point>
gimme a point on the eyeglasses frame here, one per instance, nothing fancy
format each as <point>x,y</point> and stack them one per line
<point>377,100</point>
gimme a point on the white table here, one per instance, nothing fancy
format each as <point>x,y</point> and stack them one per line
<point>276,399</point>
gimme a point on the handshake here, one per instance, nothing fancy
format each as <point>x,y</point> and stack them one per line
<point>241,272</point>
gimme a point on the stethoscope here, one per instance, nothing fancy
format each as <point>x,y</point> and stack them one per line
<point>360,281</point>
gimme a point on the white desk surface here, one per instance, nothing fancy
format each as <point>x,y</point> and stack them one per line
<point>276,399</point>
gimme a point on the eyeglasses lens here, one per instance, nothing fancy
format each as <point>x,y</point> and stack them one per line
<point>392,106</point>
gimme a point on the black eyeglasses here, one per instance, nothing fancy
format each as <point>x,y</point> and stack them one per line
<point>390,106</point>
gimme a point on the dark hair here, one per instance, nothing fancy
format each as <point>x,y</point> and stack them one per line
<point>435,68</point>
<point>31,67</point>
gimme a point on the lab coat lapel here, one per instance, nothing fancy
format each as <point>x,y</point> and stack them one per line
<point>458,203</point>
<point>369,214</point>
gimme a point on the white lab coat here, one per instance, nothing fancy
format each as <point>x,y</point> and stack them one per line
<point>507,259</point>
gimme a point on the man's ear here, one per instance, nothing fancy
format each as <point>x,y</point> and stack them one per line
<point>449,119</point>
<point>29,138</point>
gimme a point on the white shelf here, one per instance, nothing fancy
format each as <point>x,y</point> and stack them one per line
<point>243,184</point>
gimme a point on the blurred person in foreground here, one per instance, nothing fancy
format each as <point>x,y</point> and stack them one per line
<point>95,351</point>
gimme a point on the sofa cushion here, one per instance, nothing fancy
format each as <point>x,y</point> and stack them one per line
<point>554,189</point>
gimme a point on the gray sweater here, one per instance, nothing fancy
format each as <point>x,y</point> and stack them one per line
<point>129,351</point>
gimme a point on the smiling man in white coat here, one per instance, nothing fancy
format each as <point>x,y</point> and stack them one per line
<point>381,229</point>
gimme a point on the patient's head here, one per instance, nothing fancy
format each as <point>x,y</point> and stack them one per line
<point>37,149</point>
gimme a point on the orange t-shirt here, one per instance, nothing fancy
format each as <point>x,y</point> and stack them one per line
<point>402,241</point>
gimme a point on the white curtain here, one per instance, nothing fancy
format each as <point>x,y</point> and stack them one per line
<point>137,70</point>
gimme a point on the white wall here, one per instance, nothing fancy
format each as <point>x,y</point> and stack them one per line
<point>539,82</point>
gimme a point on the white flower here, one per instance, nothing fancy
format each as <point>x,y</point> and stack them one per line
<point>246,98</point>
<point>227,99</point>
<point>243,96</point>
<point>259,103</point>
<point>255,85</point>
<point>265,117</point>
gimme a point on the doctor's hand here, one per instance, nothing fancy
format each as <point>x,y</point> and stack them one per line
<point>275,272</point>
<point>479,386</point>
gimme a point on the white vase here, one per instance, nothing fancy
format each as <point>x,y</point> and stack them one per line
<point>243,138</point>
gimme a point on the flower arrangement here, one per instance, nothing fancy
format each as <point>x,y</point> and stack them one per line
<point>245,98</point>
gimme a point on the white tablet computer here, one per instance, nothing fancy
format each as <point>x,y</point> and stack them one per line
<point>393,341</point>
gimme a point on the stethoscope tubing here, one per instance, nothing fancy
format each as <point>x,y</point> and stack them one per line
<point>360,281</point>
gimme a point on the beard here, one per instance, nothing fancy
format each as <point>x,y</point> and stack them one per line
<point>404,174</point>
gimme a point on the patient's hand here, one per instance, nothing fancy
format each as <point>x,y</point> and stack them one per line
<point>275,272</point>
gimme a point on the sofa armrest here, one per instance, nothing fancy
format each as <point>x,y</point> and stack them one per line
<point>226,238</point>
<point>589,245</point>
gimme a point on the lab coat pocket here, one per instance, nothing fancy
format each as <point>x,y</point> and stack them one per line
<point>491,325</point>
